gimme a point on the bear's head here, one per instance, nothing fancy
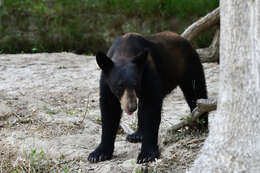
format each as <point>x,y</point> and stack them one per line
<point>124,79</point>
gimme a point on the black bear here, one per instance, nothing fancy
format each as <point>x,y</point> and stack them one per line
<point>138,72</point>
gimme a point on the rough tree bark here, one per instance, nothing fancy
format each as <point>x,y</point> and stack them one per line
<point>233,144</point>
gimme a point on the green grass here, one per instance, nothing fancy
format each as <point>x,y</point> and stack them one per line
<point>49,111</point>
<point>85,26</point>
<point>69,112</point>
<point>36,162</point>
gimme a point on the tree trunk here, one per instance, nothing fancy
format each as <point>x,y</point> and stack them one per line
<point>233,144</point>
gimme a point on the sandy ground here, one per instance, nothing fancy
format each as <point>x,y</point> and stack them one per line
<point>50,118</point>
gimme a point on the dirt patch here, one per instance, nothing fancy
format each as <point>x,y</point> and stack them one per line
<point>49,112</point>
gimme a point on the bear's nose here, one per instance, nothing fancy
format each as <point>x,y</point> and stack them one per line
<point>132,107</point>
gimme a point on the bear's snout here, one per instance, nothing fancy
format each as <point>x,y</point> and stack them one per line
<point>131,108</point>
<point>128,101</point>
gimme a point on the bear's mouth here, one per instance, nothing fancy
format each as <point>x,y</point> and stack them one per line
<point>129,113</point>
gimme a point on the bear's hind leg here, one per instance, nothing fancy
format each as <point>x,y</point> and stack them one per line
<point>189,94</point>
<point>193,88</point>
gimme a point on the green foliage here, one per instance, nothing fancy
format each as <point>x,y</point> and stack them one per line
<point>205,39</point>
<point>162,8</point>
<point>145,169</point>
<point>69,112</point>
<point>85,26</point>
<point>37,160</point>
<point>49,111</point>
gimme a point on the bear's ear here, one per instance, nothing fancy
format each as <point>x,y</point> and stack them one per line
<point>141,58</point>
<point>104,62</point>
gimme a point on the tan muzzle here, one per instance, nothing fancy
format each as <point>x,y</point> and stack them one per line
<point>128,101</point>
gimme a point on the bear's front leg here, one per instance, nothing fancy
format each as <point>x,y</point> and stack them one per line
<point>152,118</point>
<point>110,117</point>
<point>137,136</point>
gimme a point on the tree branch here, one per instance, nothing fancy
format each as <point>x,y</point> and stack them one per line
<point>206,22</point>
<point>211,53</point>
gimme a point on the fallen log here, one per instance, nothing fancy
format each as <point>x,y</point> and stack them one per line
<point>203,105</point>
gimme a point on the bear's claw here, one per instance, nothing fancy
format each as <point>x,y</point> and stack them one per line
<point>147,156</point>
<point>98,156</point>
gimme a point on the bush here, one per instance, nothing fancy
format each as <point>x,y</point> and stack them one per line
<point>85,26</point>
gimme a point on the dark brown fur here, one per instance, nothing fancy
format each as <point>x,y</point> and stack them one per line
<point>151,66</point>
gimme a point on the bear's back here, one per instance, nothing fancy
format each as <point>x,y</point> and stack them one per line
<point>169,53</point>
<point>172,55</point>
